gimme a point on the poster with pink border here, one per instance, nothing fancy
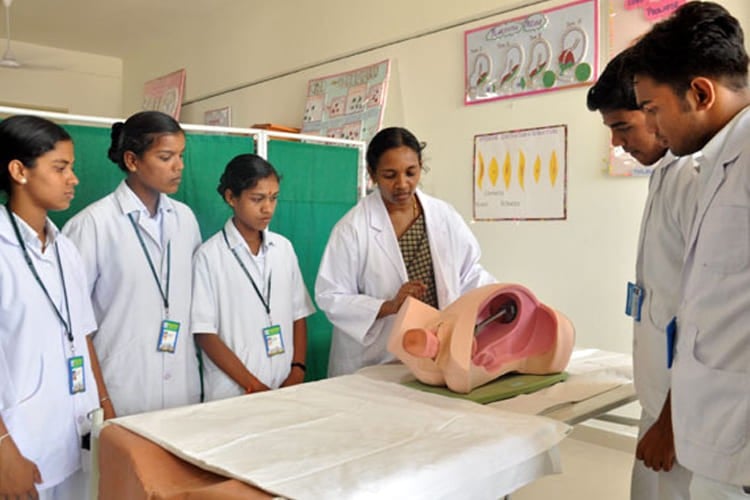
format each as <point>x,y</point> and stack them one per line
<point>347,105</point>
<point>548,50</point>
<point>165,94</point>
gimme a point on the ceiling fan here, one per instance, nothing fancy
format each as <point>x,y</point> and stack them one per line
<point>8,60</point>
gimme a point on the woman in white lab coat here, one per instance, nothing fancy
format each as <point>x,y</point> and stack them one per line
<point>397,242</point>
<point>47,387</point>
<point>137,246</point>
<point>249,299</point>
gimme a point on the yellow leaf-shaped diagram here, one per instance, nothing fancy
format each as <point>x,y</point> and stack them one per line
<point>480,174</point>
<point>507,170</point>
<point>494,171</point>
<point>553,168</point>
<point>521,168</point>
<point>537,168</point>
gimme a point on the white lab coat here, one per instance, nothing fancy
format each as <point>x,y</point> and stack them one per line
<point>362,267</point>
<point>665,227</point>
<point>127,302</point>
<point>43,418</point>
<point>225,303</point>
<point>711,373</point>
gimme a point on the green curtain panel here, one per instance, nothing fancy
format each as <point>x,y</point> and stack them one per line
<point>319,185</point>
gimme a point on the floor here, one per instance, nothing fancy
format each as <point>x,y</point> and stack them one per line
<point>596,458</point>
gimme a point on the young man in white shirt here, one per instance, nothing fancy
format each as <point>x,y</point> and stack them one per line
<point>665,226</point>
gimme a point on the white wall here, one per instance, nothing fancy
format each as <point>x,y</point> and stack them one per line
<point>76,82</point>
<point>579,266</point>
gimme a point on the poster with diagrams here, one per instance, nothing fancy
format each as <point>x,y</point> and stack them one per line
<point>545,51</point>
<point>347,105</point>
<point>628,20</point>
<point>165,94</point>
<point>521,174</point>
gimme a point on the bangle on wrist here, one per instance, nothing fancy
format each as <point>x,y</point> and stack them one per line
<point>105,398</point>
<point>7,434</point>
<point>299,365</point>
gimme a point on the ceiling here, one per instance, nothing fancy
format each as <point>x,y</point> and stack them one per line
<point>105,27</point>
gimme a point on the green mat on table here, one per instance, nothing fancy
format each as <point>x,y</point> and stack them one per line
<point>505,387</point>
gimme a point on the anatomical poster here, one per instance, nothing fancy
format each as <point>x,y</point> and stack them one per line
<point>521,174</point>
<point>347,105</point>
<point>541,52</point>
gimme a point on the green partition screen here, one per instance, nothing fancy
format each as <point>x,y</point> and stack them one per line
<point>319,185</point>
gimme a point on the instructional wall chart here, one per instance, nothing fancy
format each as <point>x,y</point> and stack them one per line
<point>545,51</point>
<point>521,174</point>
<point>347,105</point>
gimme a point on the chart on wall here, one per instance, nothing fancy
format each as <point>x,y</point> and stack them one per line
<point>629,19</point>
<point>165,94</point>
<point>347,105</point>
<point>521,174</point>
<point>541,52</point>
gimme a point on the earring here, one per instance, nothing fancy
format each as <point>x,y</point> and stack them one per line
<point>23,180</point>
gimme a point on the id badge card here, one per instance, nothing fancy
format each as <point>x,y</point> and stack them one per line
<point>671,336</point>
<point>273,339</point>
<point>634,301</point>
<point>168,336</point>
<point>76,377</point>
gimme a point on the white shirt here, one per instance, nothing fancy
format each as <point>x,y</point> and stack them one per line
<point>711,371</point>
<point>43,418</point>
<point>362,267</point>
<point>128,304</point>
<point>667,219</point>
<point>225,303</point>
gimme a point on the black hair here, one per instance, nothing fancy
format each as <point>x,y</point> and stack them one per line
<point>138,133</point>
<point>243,172</point>
<point>390,138</point>
<point>698,39</point>
<point>25,138</point>
<point>614,88</point>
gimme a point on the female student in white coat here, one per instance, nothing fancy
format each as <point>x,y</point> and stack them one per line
<point>249,299</point>
<point>46,384</point>
<point>137,246</point>
<point>397,242</point>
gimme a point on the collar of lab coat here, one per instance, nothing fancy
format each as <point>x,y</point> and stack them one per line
<point>236,240</point>
<point>27,233</point>
<point>722,150</point>
<point>380,222</point>
<point>129,201</point>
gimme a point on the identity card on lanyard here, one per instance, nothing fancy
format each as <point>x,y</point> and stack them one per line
<point>170,330</point>
<point>272,337</point>
<point>76,372</point>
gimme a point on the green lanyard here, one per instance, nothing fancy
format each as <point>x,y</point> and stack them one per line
<point>163,292</point>
<point>32,268</point>
<point>265,301</point>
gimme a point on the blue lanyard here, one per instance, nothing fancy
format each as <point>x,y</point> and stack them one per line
<point>265,301</point>
<point>163,292</point>
<point>30,263</point>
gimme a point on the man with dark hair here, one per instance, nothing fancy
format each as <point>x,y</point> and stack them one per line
<point>655,295</point>
<point>691,81</point>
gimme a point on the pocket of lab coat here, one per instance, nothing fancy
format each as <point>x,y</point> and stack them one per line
<point>726,229</point>
<point>22,417</point>
<point>658,313</point>
<point>711,403</point>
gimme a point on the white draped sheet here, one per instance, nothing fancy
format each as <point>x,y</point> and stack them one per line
<point>354,437</point>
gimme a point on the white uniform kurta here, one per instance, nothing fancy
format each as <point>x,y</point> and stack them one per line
<point>710,390</point>
<point>665,227</point>
<point>127,302</point>
<point>43,418</point>
<point>362,267</point>
<point>225,303</point>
